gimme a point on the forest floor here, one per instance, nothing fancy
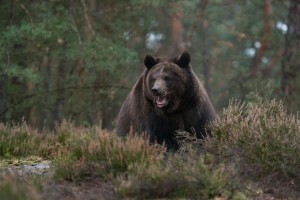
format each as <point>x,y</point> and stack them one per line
<point>31,168</point>
<point>96,189</point>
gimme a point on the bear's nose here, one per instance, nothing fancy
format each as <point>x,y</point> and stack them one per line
<point>155,91</point>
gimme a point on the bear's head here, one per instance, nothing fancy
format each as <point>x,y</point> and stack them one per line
<point>167,81</point>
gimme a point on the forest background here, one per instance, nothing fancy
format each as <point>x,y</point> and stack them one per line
<point>77,60</point>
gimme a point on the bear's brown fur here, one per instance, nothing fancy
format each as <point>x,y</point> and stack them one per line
<point>167,97</point>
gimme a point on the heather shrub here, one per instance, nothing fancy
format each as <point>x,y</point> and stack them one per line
<point>136,168</point>
<point>142,170</point>
<point>20,140</point>
<point>96,152</point>
<point>260,139</point>
<point>17,140</point>
<point>12,188</point>
<point>187,175</point>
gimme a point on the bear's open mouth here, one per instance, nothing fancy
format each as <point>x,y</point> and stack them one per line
<point>161,101</point>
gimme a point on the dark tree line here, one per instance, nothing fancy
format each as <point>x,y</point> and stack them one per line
<point>76,60</point>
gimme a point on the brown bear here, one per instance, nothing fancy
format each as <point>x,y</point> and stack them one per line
<point>167,97</point>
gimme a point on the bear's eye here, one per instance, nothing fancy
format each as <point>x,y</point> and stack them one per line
<point>167,78</point>
<point>152,78</point>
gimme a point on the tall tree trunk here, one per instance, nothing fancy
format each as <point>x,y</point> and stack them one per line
<point>200,26</point>
<point>275,59</point>
<point>205,53</point>
<point>46,73</point>
<point>291,58</point>
<point>205,56</point>
<point>177,29</point>
<point>3,97</point>
<point>33,113</point>
<point>95,115</point>
<point>60,84</point>
<point>264,42</point>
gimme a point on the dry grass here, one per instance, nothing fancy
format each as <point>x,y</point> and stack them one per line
<point>96,152</point>
<point>140,170</point>
<point>17,140</point>
<point>12,188</point>
<point>20,140</point>
<point>193,177</point>
<point>261,139</point>
<point>136,168</point>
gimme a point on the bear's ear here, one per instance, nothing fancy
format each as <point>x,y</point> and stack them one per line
<point>184,60</point>
<point>149,61</point>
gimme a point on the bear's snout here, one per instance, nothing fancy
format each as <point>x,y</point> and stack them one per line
<point>159,92</point>
<point>155,91</point>
<point>158,88</point>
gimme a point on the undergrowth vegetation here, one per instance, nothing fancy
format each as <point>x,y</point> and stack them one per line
<point>96,152</point>
<point>192,177</point>
<point>13,189</point>
<point>141,170</point>
<point>261,139</point>
<point>20,140</point>
<point>250,140</point>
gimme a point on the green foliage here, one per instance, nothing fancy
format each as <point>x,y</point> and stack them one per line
<point>22,74</point>
<point>260,138</point>
<point>95,56</point>
<point>151,3</point>
<point>70,59</point>
<point>50,55</point>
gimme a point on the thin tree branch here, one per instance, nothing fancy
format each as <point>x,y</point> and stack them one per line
<point>75,26</point>
<point>87,18</point>
<point>26,11</point>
